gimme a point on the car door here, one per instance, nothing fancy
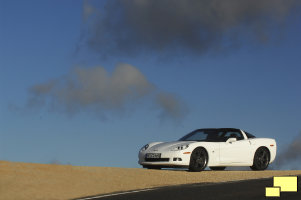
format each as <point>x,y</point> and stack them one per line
<point>235,152</point>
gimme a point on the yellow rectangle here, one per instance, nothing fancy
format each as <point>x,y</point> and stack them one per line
<point>272,191</point>
<point>286,183</point>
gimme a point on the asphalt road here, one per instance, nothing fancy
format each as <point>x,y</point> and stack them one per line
<point>240,190</point>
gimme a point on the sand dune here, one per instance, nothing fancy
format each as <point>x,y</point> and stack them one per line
<point>22,181</point>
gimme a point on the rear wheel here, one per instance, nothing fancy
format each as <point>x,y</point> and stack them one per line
<point>217,168</point>
<point>261,159</point>
<point>198,160</point>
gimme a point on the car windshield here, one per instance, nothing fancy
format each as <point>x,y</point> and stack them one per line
<point>208,135</point>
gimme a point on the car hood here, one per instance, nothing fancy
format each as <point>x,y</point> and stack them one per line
<point>169,145</point>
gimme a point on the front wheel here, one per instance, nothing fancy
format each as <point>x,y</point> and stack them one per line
<point>261,159</point>
<point>198,160</point>
<point>217,168</point>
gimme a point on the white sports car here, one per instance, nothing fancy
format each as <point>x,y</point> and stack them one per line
<point>215,148</point>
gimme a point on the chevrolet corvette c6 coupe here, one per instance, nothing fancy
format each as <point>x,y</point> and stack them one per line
<point>216,148</point>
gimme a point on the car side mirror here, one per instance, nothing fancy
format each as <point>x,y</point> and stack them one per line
<point>232,139</point>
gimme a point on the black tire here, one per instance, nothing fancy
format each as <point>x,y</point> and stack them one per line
<point>151,167</point>
<point>198,160</point>
<point>217,168</point>
<point>261,159</point>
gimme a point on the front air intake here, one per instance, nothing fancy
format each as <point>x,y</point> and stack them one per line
<point>156,159</point>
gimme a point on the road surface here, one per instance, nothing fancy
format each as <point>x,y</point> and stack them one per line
<point>242,190</point>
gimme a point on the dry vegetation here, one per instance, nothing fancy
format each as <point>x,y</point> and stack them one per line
<point>22,181</point>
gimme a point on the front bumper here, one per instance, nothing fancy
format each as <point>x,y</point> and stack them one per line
<point>168,159</point>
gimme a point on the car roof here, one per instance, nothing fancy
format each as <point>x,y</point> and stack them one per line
<point>219,129</point>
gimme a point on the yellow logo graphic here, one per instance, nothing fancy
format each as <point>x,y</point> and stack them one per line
<point>282,184</point>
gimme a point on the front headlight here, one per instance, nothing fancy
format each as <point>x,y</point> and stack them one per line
<point>181,147</point>
<point>144,147</point>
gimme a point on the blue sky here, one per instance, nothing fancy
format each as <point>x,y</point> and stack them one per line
<point>255,87</point>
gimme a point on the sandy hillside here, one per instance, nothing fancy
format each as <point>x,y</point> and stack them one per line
<point>22,181</point>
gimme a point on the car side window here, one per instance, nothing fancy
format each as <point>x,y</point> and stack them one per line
<point>249,135</point>
<point>233,134</point>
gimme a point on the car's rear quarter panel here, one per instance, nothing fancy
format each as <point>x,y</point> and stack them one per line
<point>265,142</point>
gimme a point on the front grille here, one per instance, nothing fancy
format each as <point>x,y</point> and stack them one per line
<point>156,159</point>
